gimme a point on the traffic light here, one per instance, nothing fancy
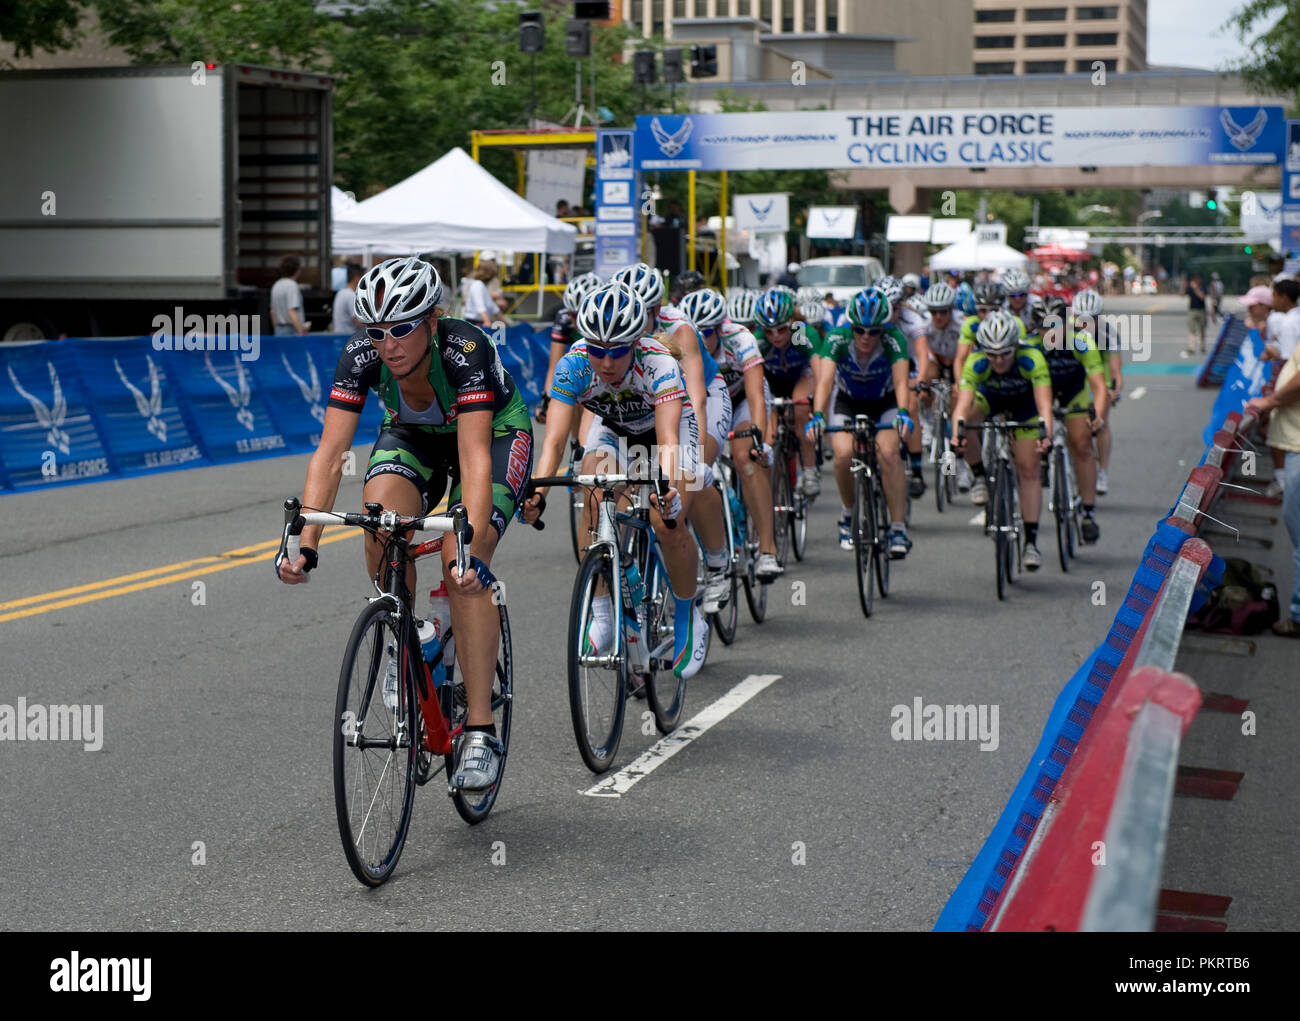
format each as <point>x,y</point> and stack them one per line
<point>1248,250</point>
<point>704,61</point>
<point>1211,202</point>
<point>532,32</point>
<point>643,67</point>
<point>673,73</point>
<point>577,38</point>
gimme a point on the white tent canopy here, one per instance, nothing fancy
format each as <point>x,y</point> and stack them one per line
<point>452,205</point>
<point>970,254</point>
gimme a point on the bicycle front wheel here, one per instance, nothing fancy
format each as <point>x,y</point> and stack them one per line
<point>1061,509</point>
<point>755,591</point>
<point>864,542</point>
<point>374,748</point>
<point>1001,526</point>
<point>474,806</point>
<point>597,690</point>
<point>782,505</point>
<point>881,555</point>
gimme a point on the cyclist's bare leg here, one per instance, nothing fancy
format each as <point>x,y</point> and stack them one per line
<point>678,547</point>
<point>888,451</point>
<point>802,412</point>
<point>974,449</point>
<point>392,492</point>
<point>1079,437</point>
<point>842,449</point>
<point>477,625</point>
<point>706,503</point>
<point>756,484</point>
<point>1103,448</point>
<point>1029,474</point>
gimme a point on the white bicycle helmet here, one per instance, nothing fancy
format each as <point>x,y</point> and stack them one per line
<point>812,311</point>
<point>612,314</point>
<point>397,289</point>
<point>998,334</point>
<point>940,296</point>
<point>892,288</point>
<point>1015,281</point>
<point>917,304</point>
<point>741,305</point>
<point>645,280</point>
<point>1086,303</point>
<point>911,280</point>
<point>578,288</point>
<point>705,307</point>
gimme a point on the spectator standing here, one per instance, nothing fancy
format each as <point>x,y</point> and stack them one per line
<point>287,315</point>
<point>1195,316</point>
<point>1284,434</point>
<point>345,302</point>
<point>788,278</point>
<point>479,307</point>
<point>1216,298</point>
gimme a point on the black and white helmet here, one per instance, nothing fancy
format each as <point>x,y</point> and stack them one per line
<point>1015,281</point>
<point>1086,303</point>
<point>578,288</point>
<point>612,314</point>
<point>940,296</point>
<point>645,280</point>
<point>397,289</point>
<point>705,307</point>
<point>917,304</point>
<point>998,334</point>
<point>892,288</point>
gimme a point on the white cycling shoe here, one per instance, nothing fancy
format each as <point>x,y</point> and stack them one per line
<point>717,591</point>
<point>767,569</point>
<point>480,762</point>
<point>979,492</point>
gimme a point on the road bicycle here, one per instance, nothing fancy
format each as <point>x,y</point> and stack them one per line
<point>388,742</point>
<point>624,561</point>
<point>1002,520</point>
<point>789,505</point>
<point>745,538</point>
<point>940,453</point>
<point>1063,487</point>
<point>576,496</point>
<point>870,522</point>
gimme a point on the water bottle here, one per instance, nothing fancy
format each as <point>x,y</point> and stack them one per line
<point>440,614</point>
<point>431,646</point>
<point>636,588</point>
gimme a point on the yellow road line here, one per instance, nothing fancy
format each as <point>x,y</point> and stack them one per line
<point>85,594</point>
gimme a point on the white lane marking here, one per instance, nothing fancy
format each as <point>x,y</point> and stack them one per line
<point>661,751</point>
<point>1138,393</point>
<point>978,519</point>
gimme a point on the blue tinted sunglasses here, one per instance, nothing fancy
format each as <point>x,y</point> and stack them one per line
<point>868,331</point>
<point>596,351</point>
<point>397,331</point>
<point>1019,294</point>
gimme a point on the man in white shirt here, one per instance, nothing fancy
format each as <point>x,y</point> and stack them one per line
<point>287,314</point>
<point>345,303</point>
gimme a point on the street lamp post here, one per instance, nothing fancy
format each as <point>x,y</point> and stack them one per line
<point>1150,214</point>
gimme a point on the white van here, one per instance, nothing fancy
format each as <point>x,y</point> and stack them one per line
<point>841,275</point>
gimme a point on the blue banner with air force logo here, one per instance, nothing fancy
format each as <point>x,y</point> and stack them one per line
<point>79,410</point>
<point>883,139</point>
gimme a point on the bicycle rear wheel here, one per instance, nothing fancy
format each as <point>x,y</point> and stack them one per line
<point>374,748</point>
<point>881,556</point>
<point>755,591</point>
<point>1061,509</point>
<point>665,691</point>
<point>725,620</point>
<point>936,452</point>
<point>864,545</point>
<point>597,692</point>
<point>474,806</point>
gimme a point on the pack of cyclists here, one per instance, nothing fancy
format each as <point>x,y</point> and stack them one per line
<point>684,380</point>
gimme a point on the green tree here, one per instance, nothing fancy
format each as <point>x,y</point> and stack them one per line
<point>1274,61</point>
<point>48,25</point>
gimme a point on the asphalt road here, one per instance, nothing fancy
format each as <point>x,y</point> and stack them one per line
<point>798,810</point>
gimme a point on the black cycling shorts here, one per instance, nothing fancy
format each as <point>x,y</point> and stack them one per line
<point>429,460</point>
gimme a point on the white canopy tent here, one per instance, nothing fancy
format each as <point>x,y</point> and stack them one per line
<point>452,205</point>
<point>970,254</point>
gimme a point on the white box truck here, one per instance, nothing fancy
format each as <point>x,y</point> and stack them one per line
<point>126,192</point>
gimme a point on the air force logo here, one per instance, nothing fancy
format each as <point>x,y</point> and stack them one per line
<point>671,145</point>
<point>761,214</point>
<point>1243,138</point>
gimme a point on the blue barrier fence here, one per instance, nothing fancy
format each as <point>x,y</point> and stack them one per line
<point>79,410</point>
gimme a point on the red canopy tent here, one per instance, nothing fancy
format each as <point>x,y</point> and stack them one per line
<point>1058,253</point>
